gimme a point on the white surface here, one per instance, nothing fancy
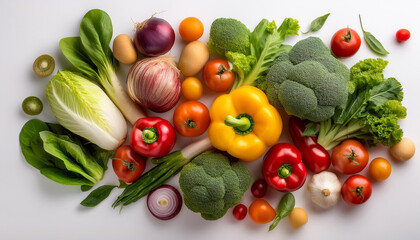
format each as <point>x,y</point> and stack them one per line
<point>33,207</point>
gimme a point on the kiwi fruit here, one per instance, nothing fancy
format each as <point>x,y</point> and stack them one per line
<point>44,65</point>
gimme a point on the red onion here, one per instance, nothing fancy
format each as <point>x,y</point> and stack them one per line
<point>154,37</point>
<point>155,83</point>
<point>164,202</point>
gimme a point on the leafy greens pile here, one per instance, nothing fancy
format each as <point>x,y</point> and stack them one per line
<point>372,109</point>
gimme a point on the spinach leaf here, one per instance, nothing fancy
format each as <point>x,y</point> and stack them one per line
<point>286,205</point>
<point>317,24</point>
<point>372,42</point>
<point>310,130</point>
<point>64,177</point>
<point>97,196</point>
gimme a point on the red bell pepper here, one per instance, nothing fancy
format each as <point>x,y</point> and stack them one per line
<point>283,169</point>
<point>315,157</point>
<point>152,137</point>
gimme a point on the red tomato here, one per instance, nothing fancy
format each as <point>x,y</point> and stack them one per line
<point>216,75</point>
<point>239,212</point>
<point>402,35</point>
<point>356,189</point>
<point>191,119</point>
<point>259,188</point>
<point>261,211</point>
<point>127,164</point>
<point>345,43</point>
<point>350,157</point>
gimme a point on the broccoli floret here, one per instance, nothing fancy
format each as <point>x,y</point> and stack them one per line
<point>211,184</point>
<point>227,34</point>
<point>308,81</point>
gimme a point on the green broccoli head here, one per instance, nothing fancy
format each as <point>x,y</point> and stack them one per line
<point>227,34</point>
<point>211,184</point>
<point>308,81</point>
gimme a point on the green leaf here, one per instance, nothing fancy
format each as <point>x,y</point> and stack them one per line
<point>387,90</point>
<point>97,196</point>
<point>372,42</point>
<point>67,152</point>
<point>310,130</point>
<point>73,50</point>
<point>286,205</point>
<point>95,34</point>
<point>32,145</point>
<point>317,24</point>
<point>85,188</point>
<point>64,177</point>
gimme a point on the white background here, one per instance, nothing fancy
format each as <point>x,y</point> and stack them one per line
<point>33,207</point>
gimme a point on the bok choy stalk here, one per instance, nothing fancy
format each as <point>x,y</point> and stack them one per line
<point>83,108</point>
<point>90,54</point>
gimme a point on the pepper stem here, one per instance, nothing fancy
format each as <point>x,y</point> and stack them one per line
<point>150,135</point>
<point>284,171</point>
<point>243,124</point>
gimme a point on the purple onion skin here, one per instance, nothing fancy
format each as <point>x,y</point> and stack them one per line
<point>156,37</point>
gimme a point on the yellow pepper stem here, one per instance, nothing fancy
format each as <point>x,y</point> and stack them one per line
<point>243,124</point>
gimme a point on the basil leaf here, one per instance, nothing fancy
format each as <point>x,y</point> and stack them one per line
<point>372,42</point>
<point>317,24</point>
<point>286,205</point>
<point>85,188</point>
<point>310,130</point>
<point>97,196</point>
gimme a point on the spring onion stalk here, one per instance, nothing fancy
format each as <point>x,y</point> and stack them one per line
<point>168,166</point>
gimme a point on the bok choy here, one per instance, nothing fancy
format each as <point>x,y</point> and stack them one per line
<point>91,55</point>
<point>83,108</point>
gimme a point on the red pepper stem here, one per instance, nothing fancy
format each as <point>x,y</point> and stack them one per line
<point>150,135</point>
<point>284,171</point>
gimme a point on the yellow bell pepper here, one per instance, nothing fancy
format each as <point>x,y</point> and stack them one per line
<point>244,124</point>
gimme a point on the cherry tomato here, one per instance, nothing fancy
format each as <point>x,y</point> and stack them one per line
<point>380,169</point>
<point>356,189</point>
<point>350,157</point>
<point>192,89</point>
<point>239,212</point>
<point>191,119</point>
<point>216,75</point>
<point>127,164</point>
<point>261,211</point>
<point>345,43</point>
<point>259,188</point>
<point>402,35</point>
<point>191,29</point>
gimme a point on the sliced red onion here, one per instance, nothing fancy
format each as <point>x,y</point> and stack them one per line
<point>155,83</point>
<point>164,202</point>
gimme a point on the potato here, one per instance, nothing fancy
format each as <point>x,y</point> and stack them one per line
<point>298,217</point>
<point>404,150</point>
<point>193,58</point>
<point>124,50</point>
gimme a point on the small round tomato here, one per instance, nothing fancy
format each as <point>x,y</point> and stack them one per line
<point>380,169</point>
<point>191,29</point>
<point>239,212</point>
<point>127,164</point>
<point>217,76</point>
<point>191,119</point>
<point>345,43</point>
<point>259,188</point>
<point>356,189</point>
<point>192,89</point>
<point>402,35</point>
<point>350,157</point>
<point>261,211</point>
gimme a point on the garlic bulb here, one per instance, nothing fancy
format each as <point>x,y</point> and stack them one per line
<point>325,189</point>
